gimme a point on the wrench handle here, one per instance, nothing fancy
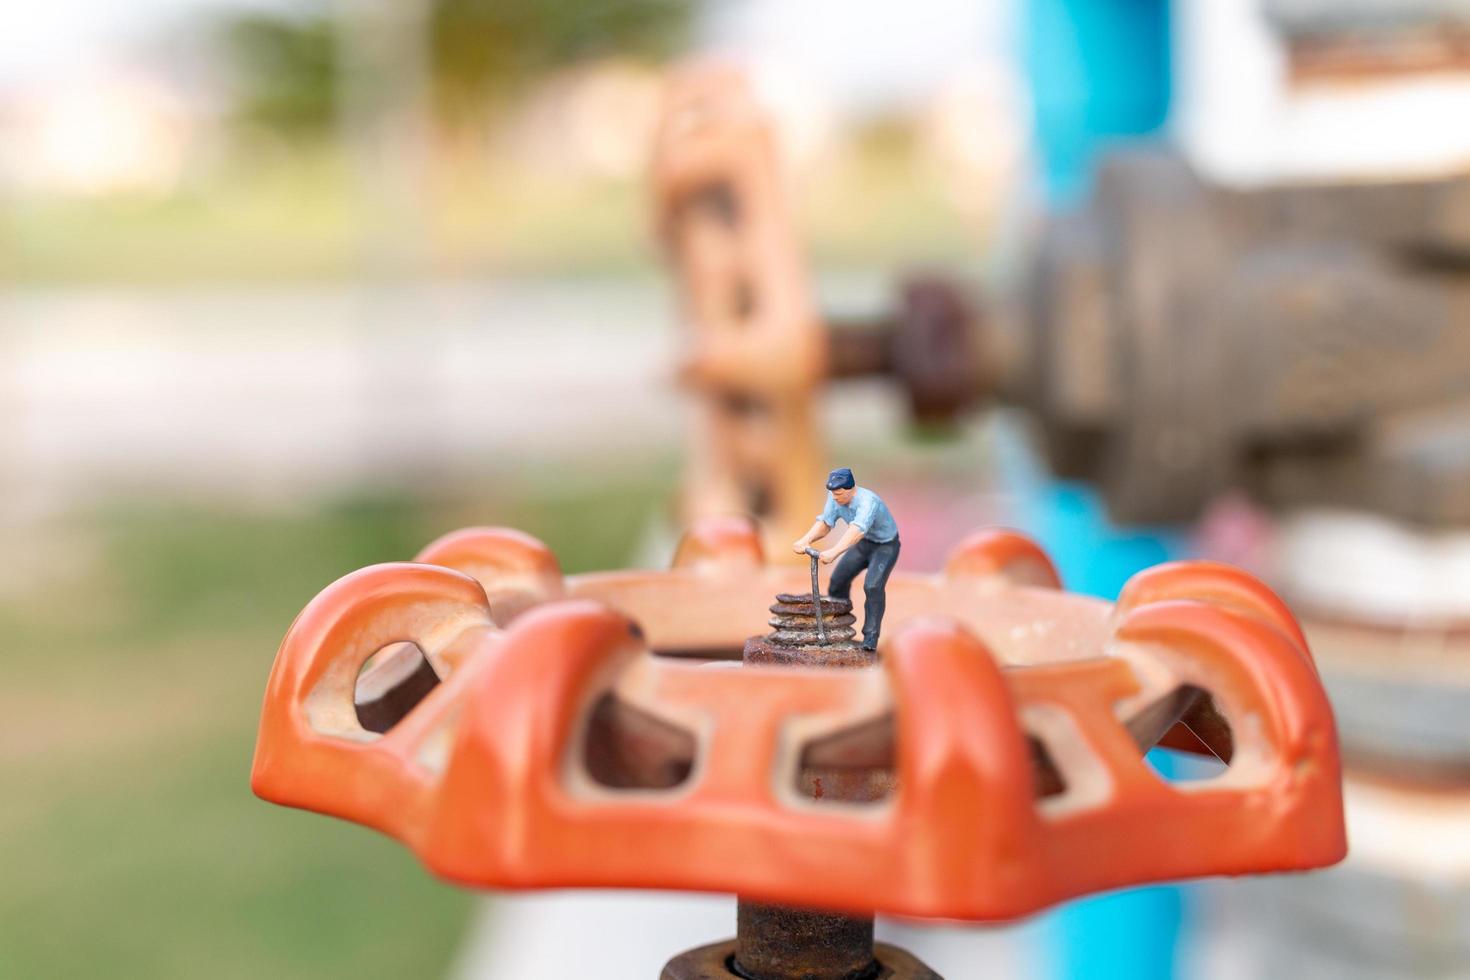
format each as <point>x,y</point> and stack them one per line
<point>813,554</point>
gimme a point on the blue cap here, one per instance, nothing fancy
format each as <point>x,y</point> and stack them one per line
<point>840,479</point>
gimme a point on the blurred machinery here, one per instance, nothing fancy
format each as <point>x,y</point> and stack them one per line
<point>756,354</point>
<point>1370,541</point>
<point>1307,345</point>
<point>758,351</point>
<point>581,732</point>
<point>1306,342</point>
<point>1366,39</point>
<point>1302,342</point>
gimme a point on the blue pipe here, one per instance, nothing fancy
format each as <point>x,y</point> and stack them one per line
<point>1099,72</point>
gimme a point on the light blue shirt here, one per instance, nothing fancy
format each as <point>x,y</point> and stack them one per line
<point>867,512</point>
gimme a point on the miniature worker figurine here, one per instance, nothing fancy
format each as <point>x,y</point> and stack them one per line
<point>870,541</point>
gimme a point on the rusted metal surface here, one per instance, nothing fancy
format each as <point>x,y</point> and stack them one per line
<point>395,680</point>
<point>773,942</point>
<point>761,650</point>
<point>800,625</point>
<point>715,962</point>
<point>1366,57</point>
<point>860,347</point>
<point>1369,40</point>
<point>1299,341</point>
<point>806,650</point>
<point>1422,219</point>
<point>929,344</point>
<point>935,349</point>
<point>854,765</point>
<point>626,746</point>
<point>1302,343</point>
<point>787,621</point>
<point>629,748</point>
<point>798,638</point>
<point>755,353</point>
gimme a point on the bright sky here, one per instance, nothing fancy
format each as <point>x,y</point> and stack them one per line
<point>860,50</point>
<point>44,38</point>
<point>867,51</point>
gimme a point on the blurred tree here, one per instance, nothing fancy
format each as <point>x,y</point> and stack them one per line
<point>481,53</point>
<point>488,50</point>
<point>287,70</point>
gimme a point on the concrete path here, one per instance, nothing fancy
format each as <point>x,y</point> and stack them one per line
<point>284,391</point>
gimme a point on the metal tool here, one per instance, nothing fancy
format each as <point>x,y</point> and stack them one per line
<point>813,554</point>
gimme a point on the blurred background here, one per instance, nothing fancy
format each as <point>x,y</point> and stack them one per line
<point>288,288</point>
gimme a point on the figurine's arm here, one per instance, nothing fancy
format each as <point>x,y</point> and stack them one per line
<point>817,532</point>
<point>850,537</point>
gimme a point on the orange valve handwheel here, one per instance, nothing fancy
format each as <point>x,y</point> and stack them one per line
<point>583,733</point>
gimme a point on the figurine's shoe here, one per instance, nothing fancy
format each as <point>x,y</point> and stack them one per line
<point>870,647</point>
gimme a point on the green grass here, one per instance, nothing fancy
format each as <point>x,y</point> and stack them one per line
<point>301,214</point>
<point>131,844</point>
<point>285,220</point>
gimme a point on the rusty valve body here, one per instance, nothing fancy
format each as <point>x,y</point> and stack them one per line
<point>716,962</point>
<point>795,639</point>
<point>989,767</point>
<point>928,344</point>
<point>774,942</point>
<point>1304,343</point>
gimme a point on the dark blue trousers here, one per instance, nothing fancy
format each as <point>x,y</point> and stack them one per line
<point>879,560</point>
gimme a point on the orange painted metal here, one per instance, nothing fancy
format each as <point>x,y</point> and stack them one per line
<point>484,778</point>
<point>517,570</point>
<point>755,351</point>
<point>1001,552</point>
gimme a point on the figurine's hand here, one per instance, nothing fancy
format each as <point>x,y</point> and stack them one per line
<point>829,556</point>
<point>799,546</point>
